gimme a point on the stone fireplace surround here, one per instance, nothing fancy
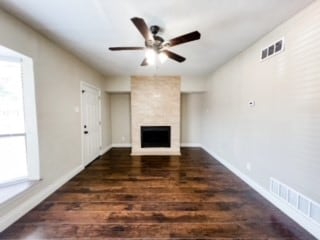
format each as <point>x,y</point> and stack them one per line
<point>155,101</point>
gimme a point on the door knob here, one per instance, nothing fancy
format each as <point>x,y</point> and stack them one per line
<point>85,132</point>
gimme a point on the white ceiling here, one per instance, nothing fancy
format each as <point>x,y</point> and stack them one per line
<point>88,27</point>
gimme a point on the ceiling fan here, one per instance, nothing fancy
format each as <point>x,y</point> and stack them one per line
<point>156,45</point>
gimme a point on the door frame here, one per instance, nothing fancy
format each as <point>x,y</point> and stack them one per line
<point>82,86</point>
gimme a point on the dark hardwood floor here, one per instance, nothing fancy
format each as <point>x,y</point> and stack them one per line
<point>187,197</point>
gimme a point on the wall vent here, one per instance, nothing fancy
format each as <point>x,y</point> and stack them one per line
<point>273,49</point>
<point>296,200</point>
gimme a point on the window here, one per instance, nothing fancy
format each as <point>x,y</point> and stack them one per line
<point>18,132</point>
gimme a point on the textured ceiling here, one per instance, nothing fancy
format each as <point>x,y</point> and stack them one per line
<point>88,27</point>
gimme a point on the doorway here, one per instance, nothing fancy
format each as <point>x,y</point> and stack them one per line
<point>90,122</point>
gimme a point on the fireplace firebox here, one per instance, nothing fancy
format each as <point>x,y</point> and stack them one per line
<point>155,136</point>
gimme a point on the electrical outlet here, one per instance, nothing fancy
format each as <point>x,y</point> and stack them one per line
<point>123,138</point>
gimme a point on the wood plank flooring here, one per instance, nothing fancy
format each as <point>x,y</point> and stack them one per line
<point>187,197</point>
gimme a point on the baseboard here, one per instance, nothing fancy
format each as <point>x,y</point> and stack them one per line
<point>106,149</point>
<point>13,215</point>
<point>190,145</point>
<point>310,226</point>
<point>121,145</point>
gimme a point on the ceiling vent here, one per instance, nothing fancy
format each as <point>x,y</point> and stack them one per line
<point>272,50</point>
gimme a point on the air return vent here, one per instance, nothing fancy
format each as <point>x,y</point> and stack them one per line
<point>298,201</point>
<point>273,49</point>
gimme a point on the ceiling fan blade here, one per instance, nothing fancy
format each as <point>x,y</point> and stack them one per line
<point>142,27</point>
<point>144,62</point>
<point>125,48</point>
<point>174,56</point>
<point>185,38</point>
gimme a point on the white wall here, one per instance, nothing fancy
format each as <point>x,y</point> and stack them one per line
<point>117,84</point>
<point>120,119</point>
<point>192,84</point>
<point>280,136</point>
<point>57,79</point>
<point>191,104</point>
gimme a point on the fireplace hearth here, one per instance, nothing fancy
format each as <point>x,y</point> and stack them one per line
<point>155,137</point>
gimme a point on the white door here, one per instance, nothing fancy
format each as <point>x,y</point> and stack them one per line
<point>91,122</point>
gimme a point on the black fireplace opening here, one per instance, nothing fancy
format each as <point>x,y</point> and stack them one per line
<point>155,136</point>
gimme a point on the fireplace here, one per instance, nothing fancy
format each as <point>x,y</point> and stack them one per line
<point>155,105</point>
<point>155,136</point>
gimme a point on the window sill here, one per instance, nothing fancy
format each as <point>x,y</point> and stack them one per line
<point>9,192</point>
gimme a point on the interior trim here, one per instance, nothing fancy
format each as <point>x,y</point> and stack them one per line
<point>299,218</point>
<point>26,206</point>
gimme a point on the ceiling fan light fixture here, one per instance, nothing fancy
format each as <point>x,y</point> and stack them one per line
<point>156,48</point>
<point>151,56</point>
<point>163,57</point>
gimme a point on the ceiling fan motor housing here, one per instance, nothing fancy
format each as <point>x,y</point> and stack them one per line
<point>154,29</point>
<point>156,42</point>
